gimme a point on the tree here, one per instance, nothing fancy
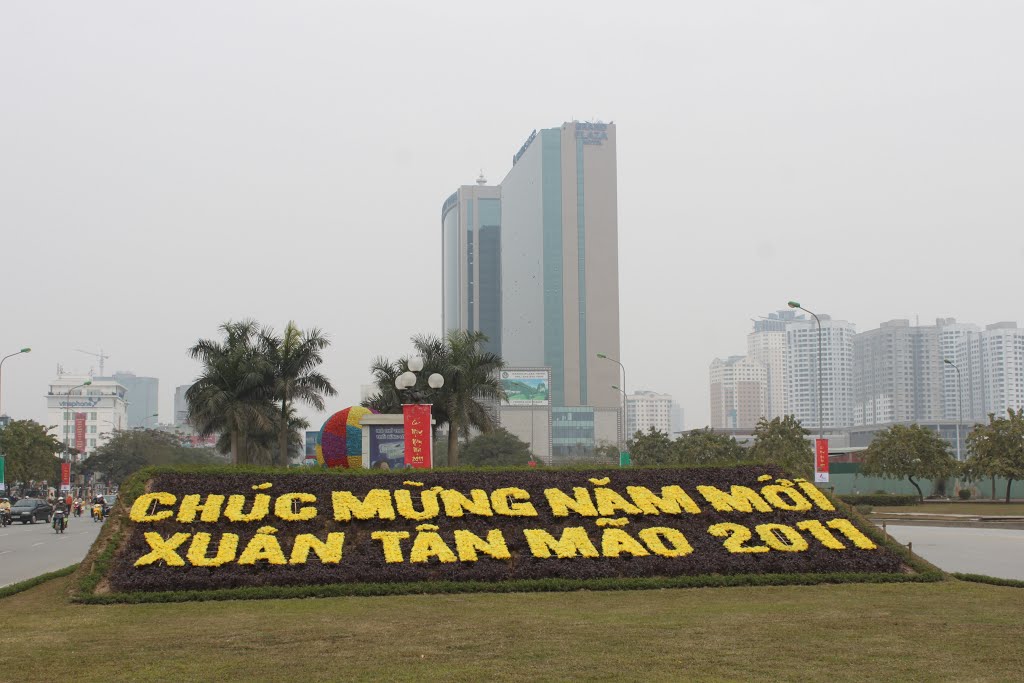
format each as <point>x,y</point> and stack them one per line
<point>471,385</point>
<point>130,450</point>
<point>293,358</point>
<point>653,447</point>
<point>498,447</point>
<point>29,449</point>
<point>233,394</point>
<point>781,441</point>
<point>997,449</point>
<point>911,452</point>
<point>705,447</point>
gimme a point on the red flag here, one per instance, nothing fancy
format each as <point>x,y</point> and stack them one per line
<point>65,476</point>
<point>821,461</point>
<point>417,435</point>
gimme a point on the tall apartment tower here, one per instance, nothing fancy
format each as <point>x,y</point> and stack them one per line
<point>533,263</point>
<point>646,409</point>
<point>836,372</point>
<point>180,405</point>
<point>739,392</point>
<point>767,345</point>
<point>1001,347</point>
<point>143,398</point>
<point>954,345</point>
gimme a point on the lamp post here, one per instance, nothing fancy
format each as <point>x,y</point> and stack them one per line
<point>796,304</point>
<point>623,368</point>
<point>407,380</point>
<point>67,414</point>
<point>625,419</point>
<point>149,417</point>
<point>10,355</point>
<point>959,406</point>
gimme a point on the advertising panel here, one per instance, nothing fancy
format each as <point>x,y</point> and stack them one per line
<point>65,477</point>
<point>387,446</point>
<point>526,387</point>
<point>80,432</point>
<point>821,461</point>
<point>417,435</point>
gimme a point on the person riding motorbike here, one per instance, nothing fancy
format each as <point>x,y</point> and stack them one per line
<point>60,517</point>
<point>78,507</point>
<point>5,512</point>
<point>97,512</point>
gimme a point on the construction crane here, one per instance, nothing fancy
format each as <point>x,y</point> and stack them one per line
<point>102,356</point>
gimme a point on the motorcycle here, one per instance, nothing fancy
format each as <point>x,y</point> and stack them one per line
<point>97,512</point>
<point>78,509</point>
<point>5,518</point>
<point>60,521</point>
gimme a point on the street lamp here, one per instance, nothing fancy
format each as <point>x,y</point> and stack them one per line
<point>10,355</point>
<point>959,406</point>
<point>625,422</point>
<point>67,414</point>
<point>601,355</point>
<point>407,380</point>
<point>796,304</point>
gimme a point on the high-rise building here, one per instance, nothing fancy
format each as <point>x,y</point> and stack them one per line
<point>86,415</point>
<point>954,340</point>
<point>767,345</point>
<point>533,263</point>
<point>1001,348</point>
<point>739,392</point>
<point>180,405</point>
<point>802,373</point>
<point>143,398</point>
<point>646,409</point>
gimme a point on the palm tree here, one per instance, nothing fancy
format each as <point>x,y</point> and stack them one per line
<point>471,389</point>
<point>471,386</point>
<point>294,358</point>
<point>231,395</point>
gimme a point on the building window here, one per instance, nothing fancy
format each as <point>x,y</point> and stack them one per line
<point>92,416</point>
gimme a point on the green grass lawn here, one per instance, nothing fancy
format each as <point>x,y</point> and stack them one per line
<point>968,508</point>
<point>886,632</point>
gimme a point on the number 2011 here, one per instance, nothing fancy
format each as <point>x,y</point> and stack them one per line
<point>787,539</point>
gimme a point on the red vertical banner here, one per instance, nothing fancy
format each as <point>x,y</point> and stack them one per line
<point>821,461</point>
<point>80,432</point>
<point>65,476</point>
<point>417,435</point>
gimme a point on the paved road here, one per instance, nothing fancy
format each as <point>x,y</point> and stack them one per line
<point>28,550</point>
<point>994,552</point>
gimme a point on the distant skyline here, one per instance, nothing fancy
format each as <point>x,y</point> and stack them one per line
<point>168,167</point>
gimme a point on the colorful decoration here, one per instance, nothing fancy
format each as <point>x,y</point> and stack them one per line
<point>341,438</point>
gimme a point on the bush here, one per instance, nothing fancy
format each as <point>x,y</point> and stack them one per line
<point>864,509</point>
<point>877,499</point>
<point>965,494</point>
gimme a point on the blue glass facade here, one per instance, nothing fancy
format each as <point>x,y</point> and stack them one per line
<point>572,431</point>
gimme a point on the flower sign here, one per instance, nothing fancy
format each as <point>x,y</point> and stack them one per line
<point>195,531</point>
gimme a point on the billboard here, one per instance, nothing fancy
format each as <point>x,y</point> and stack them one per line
<point>387,446</point>
<point>80,432</point>
<point>526,387</point>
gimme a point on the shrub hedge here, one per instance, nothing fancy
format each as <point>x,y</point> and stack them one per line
<point>15,588</point>
<point>878,499</point>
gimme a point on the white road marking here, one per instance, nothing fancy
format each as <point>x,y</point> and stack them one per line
<point>35,544</point>
<point>3,552</point>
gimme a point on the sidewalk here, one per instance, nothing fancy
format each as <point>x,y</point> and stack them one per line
<point>948,520</point>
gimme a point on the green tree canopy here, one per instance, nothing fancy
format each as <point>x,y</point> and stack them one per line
<point>699,447</point>
<point>30,450</point>
<point>471,388</point>
<point>498,447</point>
<point>912,452</point>
<point>781,441</point>
<point>997,449</point>
<point>131,450</point>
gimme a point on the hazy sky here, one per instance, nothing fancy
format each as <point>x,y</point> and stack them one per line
<point>166,166</point>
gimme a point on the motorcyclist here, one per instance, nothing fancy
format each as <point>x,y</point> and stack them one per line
<point>5,510</point>
<point>61,509</point>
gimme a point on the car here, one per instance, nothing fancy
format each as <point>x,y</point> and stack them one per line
<point>28,510</point>
<point>108,503</point>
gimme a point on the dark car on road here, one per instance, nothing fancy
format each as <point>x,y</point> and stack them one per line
<point>28,510</point>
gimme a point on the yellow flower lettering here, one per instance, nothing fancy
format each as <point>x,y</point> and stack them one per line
<point>455,503</point>
<point>573,542</point>
<point>666,541</point>
<point>328,551</point>
<point>209,511</point>
<point>163,550</point>
<point>429,544</point>
<point>377,503</point>
<point>284,507</point>
<point>467,543</point>
<point>142,505</point>
<point>739,498</point>
<point>672,500</point>
<point>428,501</point>
<point>501,505</point>
<point>561,503</point>
<point>785,498</point>
<point>614,542</point>
<point>226,550</point>
<point>263,546</point>
<point>260,508</point>
<point>391,543</point>
<point>609,502</point>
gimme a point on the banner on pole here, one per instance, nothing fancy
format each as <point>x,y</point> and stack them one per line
<point>418,443</point>
<point>821,461</point>
<point>65,477</point>
<point>80,432</point>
